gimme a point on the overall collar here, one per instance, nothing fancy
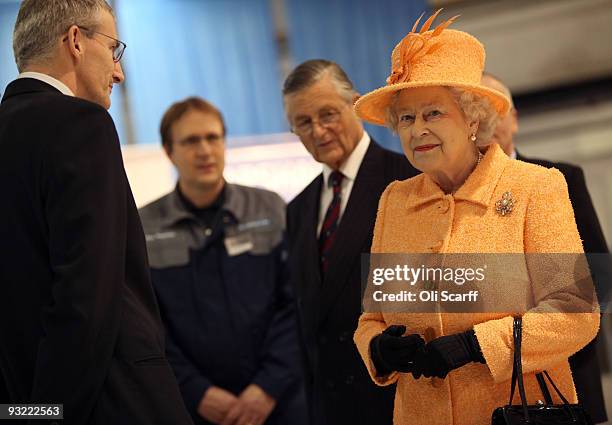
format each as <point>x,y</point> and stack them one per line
<point>176,210</point>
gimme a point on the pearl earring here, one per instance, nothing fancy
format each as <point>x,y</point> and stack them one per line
<point>473,138</point>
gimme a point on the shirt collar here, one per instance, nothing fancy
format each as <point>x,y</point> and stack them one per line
<point>49,80</point>
<point>350,167</point>
<point>176,210</point>
<point>478,188</point>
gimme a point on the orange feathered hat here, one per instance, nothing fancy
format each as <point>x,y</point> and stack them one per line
<point>437,57</point>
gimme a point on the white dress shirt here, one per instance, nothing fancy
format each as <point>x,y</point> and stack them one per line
<point>349,169</point>
<point>49,80</point>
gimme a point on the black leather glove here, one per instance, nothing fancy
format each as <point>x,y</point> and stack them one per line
<point>447,353</point>
<point>391,351</point>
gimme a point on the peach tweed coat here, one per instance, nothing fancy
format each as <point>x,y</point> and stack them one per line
<point>415,216</point>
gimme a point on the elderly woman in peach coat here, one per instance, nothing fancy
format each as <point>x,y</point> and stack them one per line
<point>454,368</point>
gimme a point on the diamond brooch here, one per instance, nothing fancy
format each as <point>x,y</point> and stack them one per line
<point>505,205</point>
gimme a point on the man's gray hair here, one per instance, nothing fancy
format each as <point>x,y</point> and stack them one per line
<point>474,107</point>
<point>504,87</point>
<point>312,71</point>
<point>40,23</point>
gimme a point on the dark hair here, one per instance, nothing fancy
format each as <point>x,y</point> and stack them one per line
<point>311,71</point>
<point>178,109</point>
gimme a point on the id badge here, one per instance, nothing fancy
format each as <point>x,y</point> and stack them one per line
<point>239,243</point>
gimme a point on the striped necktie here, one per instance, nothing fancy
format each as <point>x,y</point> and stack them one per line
<point>330,223</point>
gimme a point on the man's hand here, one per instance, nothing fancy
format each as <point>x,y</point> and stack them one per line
<point>216,404</point>
<point>253,407</point>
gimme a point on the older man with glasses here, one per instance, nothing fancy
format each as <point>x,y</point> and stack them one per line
<point>330,224</point>
<point>79,322</point>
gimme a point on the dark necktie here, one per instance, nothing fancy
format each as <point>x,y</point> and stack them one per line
<point>330,222</point>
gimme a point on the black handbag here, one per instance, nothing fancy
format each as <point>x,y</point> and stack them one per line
<point>543,413</point>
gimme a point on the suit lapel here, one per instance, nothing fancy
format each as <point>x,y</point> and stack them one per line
<point>311,217</point>
<point>305,263</point>
<point>355,228</point>
<point>309,212</point>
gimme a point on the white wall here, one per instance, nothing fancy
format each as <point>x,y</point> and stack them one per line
<point>283,166</point>
<point>535,44</point>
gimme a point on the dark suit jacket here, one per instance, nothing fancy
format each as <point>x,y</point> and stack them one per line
<point>339,387</point>
<point>79,323</point>
<point>584,364</point>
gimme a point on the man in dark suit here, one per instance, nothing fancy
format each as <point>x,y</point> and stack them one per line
<point>330,224</point>
<point>584,364</point>
<point>79,322</point>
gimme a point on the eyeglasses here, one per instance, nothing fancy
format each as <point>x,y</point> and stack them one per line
<point>117,50</point>
<point>327,118</point>
<point>194,140</point>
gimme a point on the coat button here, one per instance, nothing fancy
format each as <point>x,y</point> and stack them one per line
<point>444,206</point>
<point>349,380</point>
<point>344,336</point>
<point>437,382</point>
<point>436,247</point>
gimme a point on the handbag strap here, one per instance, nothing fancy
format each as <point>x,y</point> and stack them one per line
<point>517,368</point>
<point>513,385</point>
<point>544,388</point>
<point>563,399</point>
<point>517,375</point>
<point>565,402</point>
